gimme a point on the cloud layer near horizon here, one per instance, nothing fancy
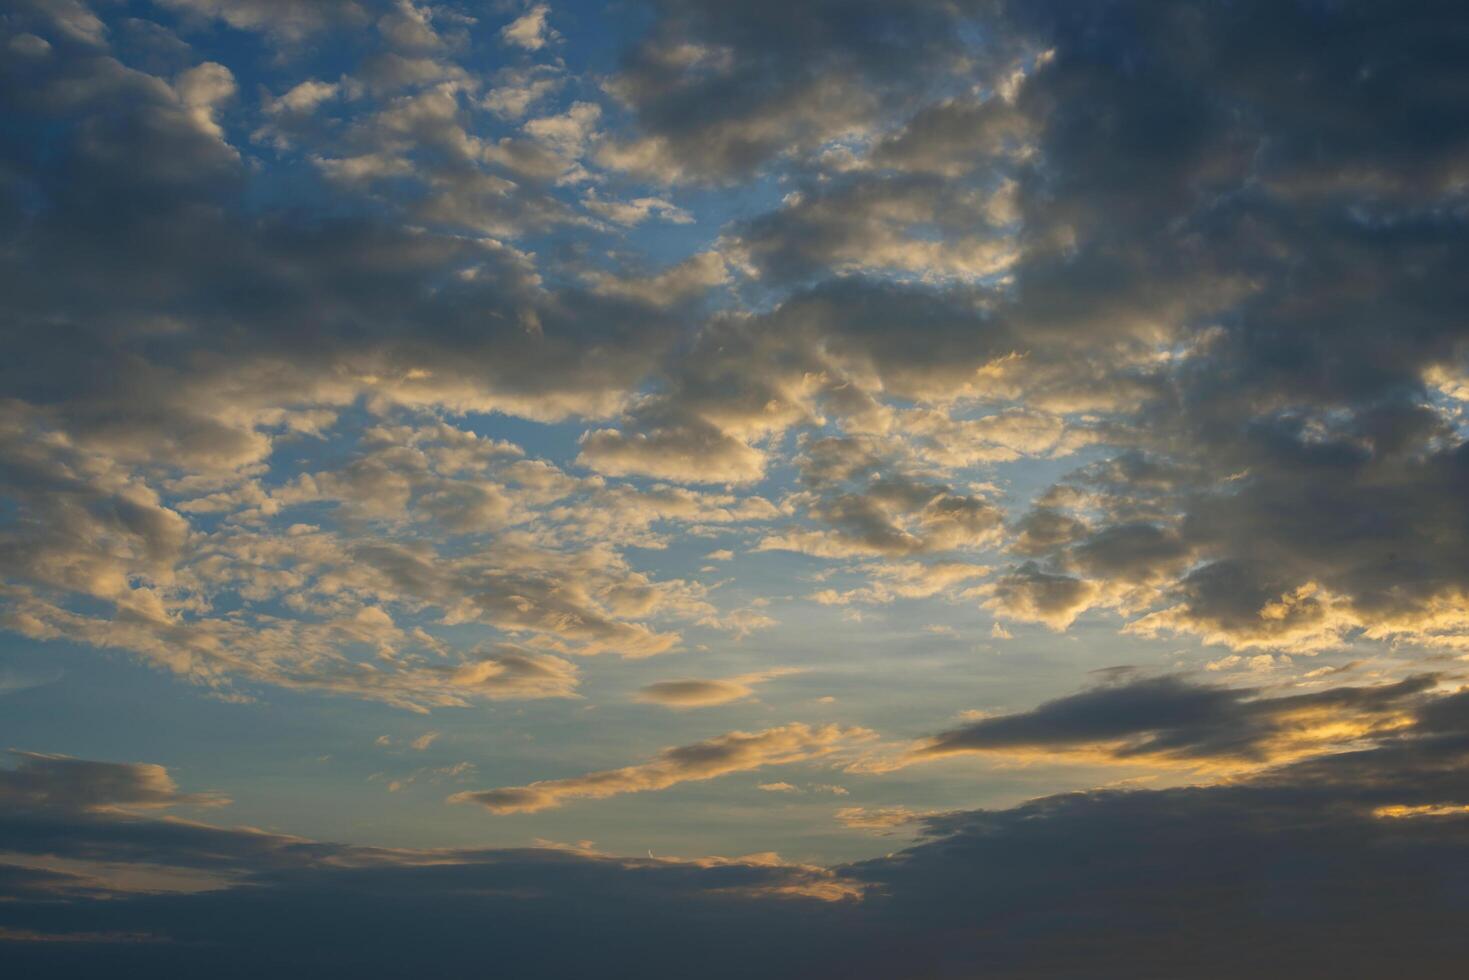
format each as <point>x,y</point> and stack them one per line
<point>1375,837</point>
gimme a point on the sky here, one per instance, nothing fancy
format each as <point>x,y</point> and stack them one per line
<point>667,488</point>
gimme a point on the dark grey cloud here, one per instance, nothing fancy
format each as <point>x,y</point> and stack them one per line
<point>908,226</point>
<point>716,92</point>
<point>954,137</point>
<point>1174,718</point>
<point>523,892</point>
<point>1348,864</point>
<point>172,314</point>
<point>1265,191</point>
<point>63,783</point>
<point>829,348</point>
<point>1302,870</point>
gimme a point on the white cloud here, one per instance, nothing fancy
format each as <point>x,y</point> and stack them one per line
<point>530,30</point>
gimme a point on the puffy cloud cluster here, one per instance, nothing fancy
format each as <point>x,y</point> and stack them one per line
<point>1008,233</point>
<point>717,93</point>
<point>389,565</point>
<point>1147,314</point>
<point>1297,483</point>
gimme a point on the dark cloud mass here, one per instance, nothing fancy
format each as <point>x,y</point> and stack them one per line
<point>1173,718</point>
<point>1254,876</point>
<point>1321,472</point>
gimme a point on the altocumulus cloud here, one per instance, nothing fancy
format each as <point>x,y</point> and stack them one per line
<point>970,269</point>
<point>401,351</point>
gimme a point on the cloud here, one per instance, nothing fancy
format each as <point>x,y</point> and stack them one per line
<point>79,829</point>
<point>635,211</point>
<point>400,503</point>
<point>44,782</point>
<point>303,97</point>
<point>697,693</point>
<point>1371,837</point>
<point>715,96</point>
<point>967,269</point>
<point>286,20</point>
<point>513,674</point>
<point>26,936</point>
<point>74,19</point>
<point>691,277</point>
<point>516,90</point>
<point>688,453</point>
<point>1112,305</point>
<point>1305,468</point>
<point>731,752</point>
<point>894,580</point>
<point>14,679</point>
<point>953,137</point>
<point>530,30</point>
<point>1029,594</point>
<point>1130,855</point>
<point>869,508</point>
<point>870,226</point>
<point>1172,720</point>
<point>201,89</point>
<point>882,820</point>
